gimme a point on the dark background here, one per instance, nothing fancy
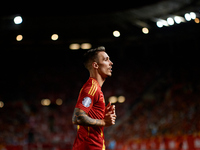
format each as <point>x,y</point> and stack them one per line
<point>166,47</point>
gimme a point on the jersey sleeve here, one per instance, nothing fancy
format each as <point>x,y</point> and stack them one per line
<point>87,97</point>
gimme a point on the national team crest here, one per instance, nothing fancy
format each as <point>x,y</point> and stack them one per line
<point>87,101</point>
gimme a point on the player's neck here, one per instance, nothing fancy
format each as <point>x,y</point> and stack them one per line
<point>98,77</point>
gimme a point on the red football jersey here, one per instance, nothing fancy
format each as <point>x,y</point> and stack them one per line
<point>90,100</point>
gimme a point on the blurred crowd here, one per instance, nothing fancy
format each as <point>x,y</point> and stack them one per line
<point>157,103</point>
<point>170,107</point>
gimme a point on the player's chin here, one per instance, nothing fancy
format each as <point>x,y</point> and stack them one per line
<point>109,74</point>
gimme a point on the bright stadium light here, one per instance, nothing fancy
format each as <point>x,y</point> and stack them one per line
<point>177,19</point>
<point>170,21</point>
<point>121,99</point>
<point>18,20</point>
<point>54,37</point>
<point>145,30</point>
<point>45,102</point>
<point>74,46</point>
<point>196,20</point>
<point>116,33</point>
<point>159,24</point>
<point>112,99</point>
<point>86,46</point>
<point>187,17</point>
<point>1,104</point>
<point>19,37</point>
<point>59,101</point>
<point>193,15</point>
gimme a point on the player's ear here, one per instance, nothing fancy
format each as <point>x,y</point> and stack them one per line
<point>95,65</point>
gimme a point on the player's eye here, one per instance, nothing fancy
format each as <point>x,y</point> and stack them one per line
<point>106,59</point>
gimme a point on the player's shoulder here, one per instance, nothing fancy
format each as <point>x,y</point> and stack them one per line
<point>90,87</point>
<point>91,82</point>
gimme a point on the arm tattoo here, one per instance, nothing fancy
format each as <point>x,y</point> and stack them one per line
<point>81,118</point>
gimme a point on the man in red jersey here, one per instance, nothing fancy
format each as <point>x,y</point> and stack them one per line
<point>90,114</point>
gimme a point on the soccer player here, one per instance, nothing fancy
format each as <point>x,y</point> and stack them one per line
<point>90,113</point>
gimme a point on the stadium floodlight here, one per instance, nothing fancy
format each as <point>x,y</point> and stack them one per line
<point>19,37</point>
<point>145,30</point>
<point>121,99</point>
<point>74,46</point>
<point>193,15</point>
<point>86,46</point>
<point>1,104</point>
<point>18,20</point>
<point>116,33</point>
<point>196,20</point>
<point>112,99</point>
<point>59,101</point>
<point>159,24</point>
<point>45,102</point>
<point>54,37</point>
<point>177,19</point>
<point>187,17</point>
<point>170,21</point>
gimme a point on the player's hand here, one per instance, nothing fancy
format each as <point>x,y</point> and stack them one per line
<point>109,119</point>
<point>110,108</point>
<point>110,115</point>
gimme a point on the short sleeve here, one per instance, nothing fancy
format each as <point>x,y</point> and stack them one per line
<point>87,98</point>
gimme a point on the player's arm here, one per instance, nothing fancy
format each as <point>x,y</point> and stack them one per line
<point>80,117</point>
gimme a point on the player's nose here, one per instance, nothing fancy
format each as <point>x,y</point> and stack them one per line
<point>111,63</point>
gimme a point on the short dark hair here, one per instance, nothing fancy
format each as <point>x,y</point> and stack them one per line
<point>91,55</point>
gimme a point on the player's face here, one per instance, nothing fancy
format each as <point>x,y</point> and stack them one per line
<point>104,64</point>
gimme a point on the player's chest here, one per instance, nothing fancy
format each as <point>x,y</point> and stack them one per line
<point>100,103</point>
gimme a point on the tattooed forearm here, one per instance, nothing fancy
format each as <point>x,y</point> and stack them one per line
<point>81,118</point>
